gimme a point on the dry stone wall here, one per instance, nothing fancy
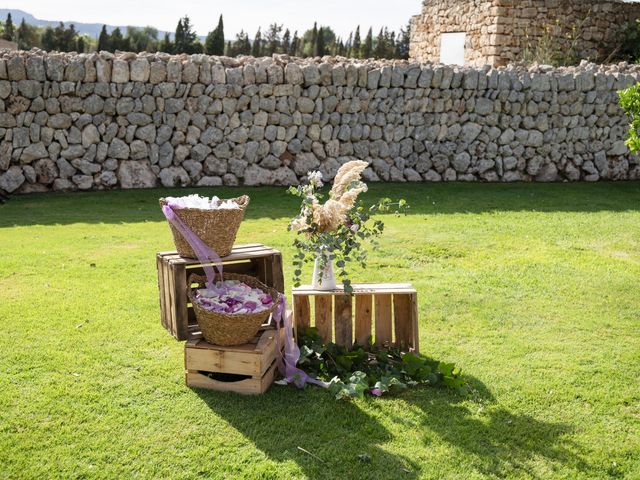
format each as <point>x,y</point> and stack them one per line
<point>80,122</point>
<point>498,30</point>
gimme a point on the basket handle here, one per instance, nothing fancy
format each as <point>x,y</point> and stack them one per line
<point>243,201</point>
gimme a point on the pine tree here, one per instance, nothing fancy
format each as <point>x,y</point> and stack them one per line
<point>355,48</point>
<point>8,29</point>
<point>103,40</point>
<point>178,38</point>
<point>379,51</point>
<point>368,44</point>
<point>320,46</point>
<point>272,39</point>
<point>256,50</point>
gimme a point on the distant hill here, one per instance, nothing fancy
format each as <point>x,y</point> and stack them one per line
<point>91,29</point>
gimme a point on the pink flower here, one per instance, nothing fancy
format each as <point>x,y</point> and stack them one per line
<point>376,391</point>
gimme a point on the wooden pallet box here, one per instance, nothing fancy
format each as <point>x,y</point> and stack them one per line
<point>246,369</point>
<point>385,313</point>
<point>176,312</point>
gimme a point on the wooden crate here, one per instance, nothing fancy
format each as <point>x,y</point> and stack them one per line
<point>386,313</point>
<point>252,366</point>
<point>176,312</point>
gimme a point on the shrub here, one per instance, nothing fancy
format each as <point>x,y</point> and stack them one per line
<point>630,102</point>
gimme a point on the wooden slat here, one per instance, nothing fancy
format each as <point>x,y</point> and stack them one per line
<point>277,273</point>
<point>250,386</point>
<point>161,291</point>
<point>324,317</point>
<point>343,321</point>
<point>402,320</point>
<point>383,318</point>
<point>360,289</point>
<point>238,253</point>
<point>301,312</point>
<point>171,299</point>
<point>179,275</point>
<point>415,334</point>
<point>363,319</point>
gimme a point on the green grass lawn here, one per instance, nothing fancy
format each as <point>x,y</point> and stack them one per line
<point>531,289</point>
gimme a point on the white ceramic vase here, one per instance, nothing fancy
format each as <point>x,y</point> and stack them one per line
<point>326,280</point>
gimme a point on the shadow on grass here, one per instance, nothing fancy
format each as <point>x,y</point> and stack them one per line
<point>495,442</point>
<point>340,439</point>
<point>498,443</point>
<point>131,206</point>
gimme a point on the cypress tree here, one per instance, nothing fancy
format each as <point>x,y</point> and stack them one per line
<point>368,44</point>
<point>256,50</point>
<point>216,42</point>
<point>103,39</point>
<point>314,39</point>
<point>80,45</point>
<point>178,38</point>
<point>8,28</point>
<point>295,43</point>
<point>347,46</point>
<point>355,48</point>
<point>320,46</point>
<point>286,41</point>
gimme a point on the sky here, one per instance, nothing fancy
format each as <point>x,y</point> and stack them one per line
<point>341,15</point>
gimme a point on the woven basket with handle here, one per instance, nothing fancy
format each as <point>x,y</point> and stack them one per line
<point>216,228</point>
<point>228,329</point>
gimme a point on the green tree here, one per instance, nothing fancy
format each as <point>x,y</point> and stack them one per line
<point>142,39</point>
<point>381,44</point>
<point>8,29</point>
<point>349,44</point>
<point>27,36</point>
<point>355,47</point>
<point>104,40</point>
<point>214,44</point>
<point>186,40</point>
<point>116,41</point>
<point>80,45</point>
<point>241,45</point>
<point>256,50</point>
<point>166,45</point>
<point>404,41</point>
<point>312,42</point>
<point>286,41</point>
<point>272,39</point>
<point>320,45</point>
<point>295,45</point>
<point>368,44</point>
<point>48,39</point>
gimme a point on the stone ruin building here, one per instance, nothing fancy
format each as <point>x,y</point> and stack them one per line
<point>495,32</point>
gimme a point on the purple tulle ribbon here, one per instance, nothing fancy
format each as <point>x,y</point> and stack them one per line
<point>281,316</point>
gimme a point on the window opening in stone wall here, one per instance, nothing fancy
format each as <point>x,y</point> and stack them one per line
<point>452,48</point>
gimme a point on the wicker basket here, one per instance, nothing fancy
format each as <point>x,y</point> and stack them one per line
<point>216,228</point>
<point>230,329</point>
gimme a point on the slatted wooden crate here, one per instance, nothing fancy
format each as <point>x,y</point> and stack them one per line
<point>176,312</point>
<point>246,369</point>
<point>386,313</point>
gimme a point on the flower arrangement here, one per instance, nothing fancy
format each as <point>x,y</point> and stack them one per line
<point>232,296</point>
<point>337,229</point>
